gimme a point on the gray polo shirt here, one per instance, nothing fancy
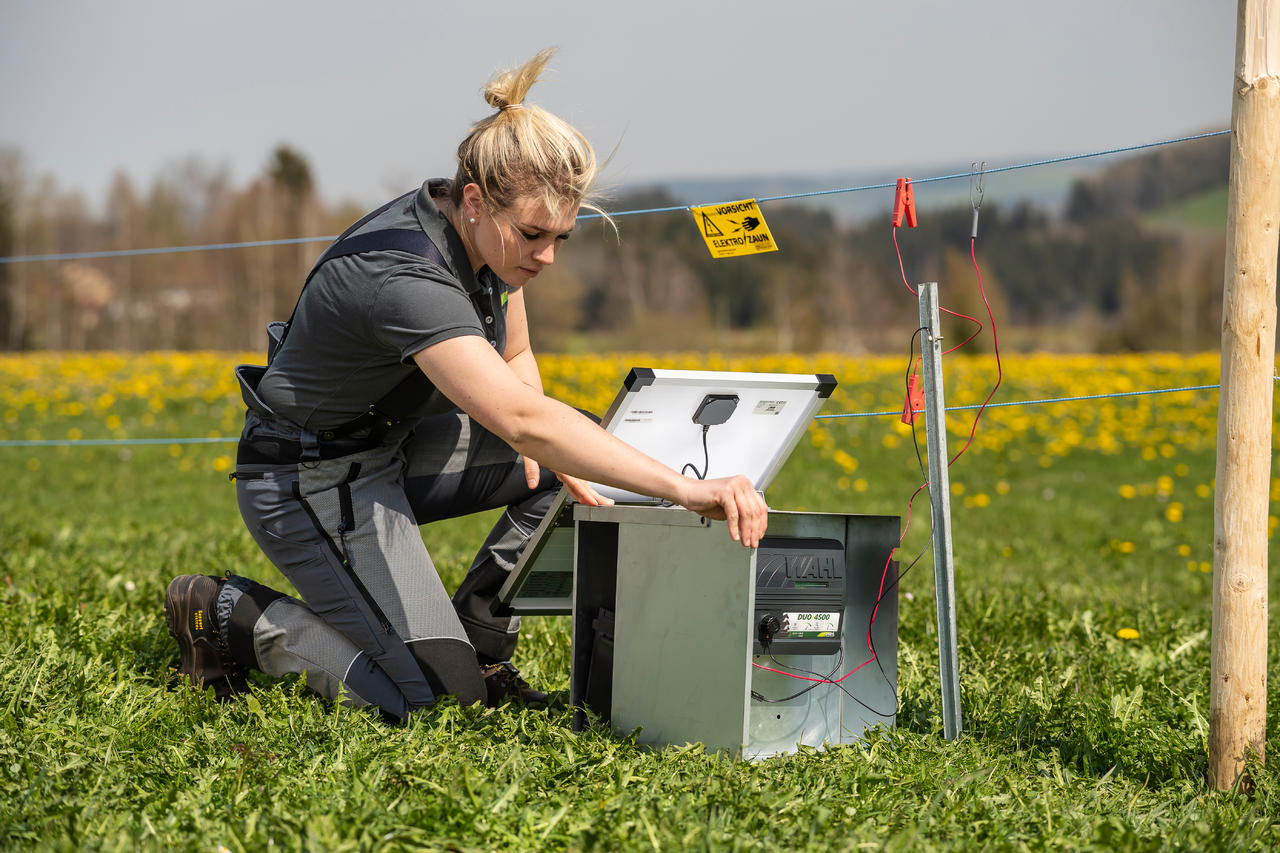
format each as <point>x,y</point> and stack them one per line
<point>362,318</point>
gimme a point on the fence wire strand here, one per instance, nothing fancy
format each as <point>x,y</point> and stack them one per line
<point>299,240</point>
<point>293,241</point>
<point>122,442</point>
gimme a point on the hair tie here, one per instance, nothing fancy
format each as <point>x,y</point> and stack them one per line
<point>506,107</point>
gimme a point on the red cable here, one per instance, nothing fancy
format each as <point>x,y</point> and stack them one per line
<point>995,342</point>
<point>902,269</point>
<point>871,623</point>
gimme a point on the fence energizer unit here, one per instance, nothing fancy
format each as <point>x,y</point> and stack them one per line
<point>686,636</point>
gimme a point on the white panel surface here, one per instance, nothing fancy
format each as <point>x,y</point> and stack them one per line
<point>655,415</point>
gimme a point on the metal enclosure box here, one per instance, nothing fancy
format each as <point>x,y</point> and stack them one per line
<point>664,625</point>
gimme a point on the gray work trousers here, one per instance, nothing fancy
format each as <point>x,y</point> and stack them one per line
<point>375,624</point>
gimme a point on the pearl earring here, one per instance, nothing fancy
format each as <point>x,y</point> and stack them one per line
<point>472,220</point>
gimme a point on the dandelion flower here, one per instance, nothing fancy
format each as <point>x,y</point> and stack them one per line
<point>1127,633</point>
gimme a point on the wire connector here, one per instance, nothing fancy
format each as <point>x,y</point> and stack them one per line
<point>977,182</point>
<point>904,204</point>
<point>915,399</point>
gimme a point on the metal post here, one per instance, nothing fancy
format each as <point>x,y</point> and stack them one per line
<point>940,503</point>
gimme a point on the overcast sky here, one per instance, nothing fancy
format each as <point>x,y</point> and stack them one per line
<point>378,94</point>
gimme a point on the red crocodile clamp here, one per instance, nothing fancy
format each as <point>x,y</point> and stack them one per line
<point>904,204</point>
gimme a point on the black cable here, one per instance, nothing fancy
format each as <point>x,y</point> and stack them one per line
<point>911,359</point>
<point>871,642</point>
<point>871,639</point>
<point>759,697</point>
<point>706,458</point>
<point>897,703</point>
<point>826,679</point>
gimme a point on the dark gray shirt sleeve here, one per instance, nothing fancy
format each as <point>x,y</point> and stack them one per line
<point>414,310</point>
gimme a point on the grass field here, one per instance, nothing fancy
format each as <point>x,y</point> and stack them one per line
<point>1083,536</point>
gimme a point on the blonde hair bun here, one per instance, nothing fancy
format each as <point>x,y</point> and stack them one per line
<point>523,151</point>
<point>508,88</point>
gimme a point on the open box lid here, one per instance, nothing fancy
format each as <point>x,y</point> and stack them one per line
<point>758,418</point>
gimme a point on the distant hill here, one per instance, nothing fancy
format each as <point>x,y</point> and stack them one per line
<point>1205,211</point>
<point>1153,181</point>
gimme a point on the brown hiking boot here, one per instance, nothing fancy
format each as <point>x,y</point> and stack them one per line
<point>189,608</point>
<point>503,683</point>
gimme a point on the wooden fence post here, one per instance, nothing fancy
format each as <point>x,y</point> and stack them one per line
<point>1238,669</point>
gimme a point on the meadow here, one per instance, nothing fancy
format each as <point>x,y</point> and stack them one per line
<point>1083,549</point>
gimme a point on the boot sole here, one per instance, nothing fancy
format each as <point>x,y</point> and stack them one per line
<point>175,594</point>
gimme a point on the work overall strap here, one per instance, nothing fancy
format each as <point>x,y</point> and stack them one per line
<point>383,414</point>
<point>409,240</point>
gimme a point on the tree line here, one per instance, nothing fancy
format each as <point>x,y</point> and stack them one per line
<point>1095,276</point>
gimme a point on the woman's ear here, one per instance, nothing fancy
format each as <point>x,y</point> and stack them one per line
<point>472,201</point>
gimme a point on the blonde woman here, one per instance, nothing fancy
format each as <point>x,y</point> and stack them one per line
<point>403,390</point>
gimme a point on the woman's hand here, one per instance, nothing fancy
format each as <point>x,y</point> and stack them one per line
<point>730,499</point>
<point>580,490</point>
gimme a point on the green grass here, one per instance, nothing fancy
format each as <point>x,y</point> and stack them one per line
<point>1074,738</point>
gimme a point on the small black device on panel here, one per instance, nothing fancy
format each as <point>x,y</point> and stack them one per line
<point>715,409</point>
<point>799,596</point>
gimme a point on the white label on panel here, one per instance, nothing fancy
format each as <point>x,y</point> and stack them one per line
<point>811,624</point>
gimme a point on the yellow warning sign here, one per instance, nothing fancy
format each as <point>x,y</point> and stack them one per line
<point>734,228</point>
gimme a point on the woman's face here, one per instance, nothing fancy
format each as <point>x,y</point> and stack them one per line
<point>516,243</point>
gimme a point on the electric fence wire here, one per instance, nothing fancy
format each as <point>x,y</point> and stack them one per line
<point>1038,402</point>
<point>108,442</point>
<point>293,241</point>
